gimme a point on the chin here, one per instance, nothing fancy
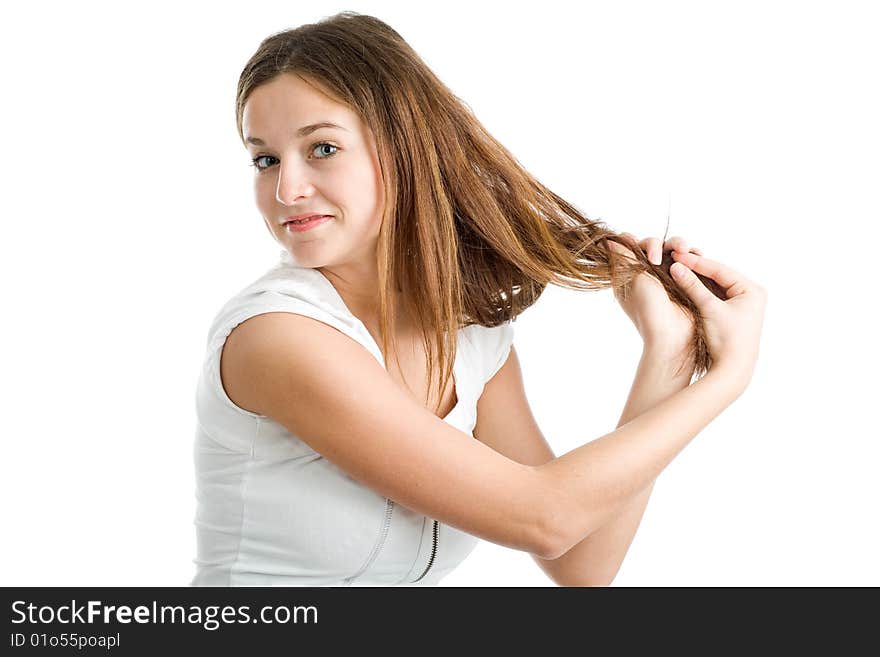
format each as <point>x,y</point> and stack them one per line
<point>303,256</point>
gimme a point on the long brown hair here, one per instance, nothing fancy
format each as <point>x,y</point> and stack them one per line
<point>468,234</point>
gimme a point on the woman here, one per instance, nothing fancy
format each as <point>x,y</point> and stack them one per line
<point>329,452</point>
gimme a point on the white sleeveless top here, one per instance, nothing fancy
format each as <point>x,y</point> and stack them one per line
<point>271,511</point>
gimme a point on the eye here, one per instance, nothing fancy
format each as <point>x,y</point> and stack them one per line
<point>256,160</point>
<point>325,144</point>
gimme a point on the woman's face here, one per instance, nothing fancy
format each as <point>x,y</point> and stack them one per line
<point>300,169</point>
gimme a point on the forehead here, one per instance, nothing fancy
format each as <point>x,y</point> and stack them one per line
<point>286,102</point>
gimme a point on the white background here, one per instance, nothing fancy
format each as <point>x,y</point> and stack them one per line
<point>128,219</point>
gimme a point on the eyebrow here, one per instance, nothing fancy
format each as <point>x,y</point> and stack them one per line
<point>302,132</point>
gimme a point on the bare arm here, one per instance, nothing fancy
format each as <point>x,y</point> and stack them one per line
<point>609,472</point>
<point>596,559</point>
<point>301,373</point>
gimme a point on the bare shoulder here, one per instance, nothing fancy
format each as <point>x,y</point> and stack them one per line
<point>254,340</point>
<point>332,393</point>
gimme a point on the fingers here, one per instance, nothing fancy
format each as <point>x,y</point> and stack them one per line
<point>725,276</point>
<point>629,238</point>
<point>653,248</point>
<point>693,286</point>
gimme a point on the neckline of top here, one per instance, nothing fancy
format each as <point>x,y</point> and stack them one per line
<point>340,302</point>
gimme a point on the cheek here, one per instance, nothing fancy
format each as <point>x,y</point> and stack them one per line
<point>264,195</point>
<point>262,187</point>
<point>372,191</point>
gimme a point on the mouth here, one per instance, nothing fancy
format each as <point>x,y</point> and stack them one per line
<point>299,225</point>
<point>304,220</point>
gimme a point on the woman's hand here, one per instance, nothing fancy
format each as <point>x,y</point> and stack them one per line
<point>664,326</point>
<point>733,326</point>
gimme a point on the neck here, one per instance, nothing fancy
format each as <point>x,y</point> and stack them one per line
<point>360,292</point>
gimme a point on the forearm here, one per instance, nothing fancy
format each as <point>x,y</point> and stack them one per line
<point>593,484</point>
<point>596,559</point>
<point>655,380</point>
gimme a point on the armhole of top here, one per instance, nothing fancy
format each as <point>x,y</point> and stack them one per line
<point>500,340</point>
<point>281,304</point>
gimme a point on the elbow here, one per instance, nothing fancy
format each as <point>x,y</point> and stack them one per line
<point>546,541</point>
<point>554,538</point>
<point>548,547</point>
<point>559,525</point>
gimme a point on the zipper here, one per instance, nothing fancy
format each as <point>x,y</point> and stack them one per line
<point>433,553</point>
<point>389,508</point>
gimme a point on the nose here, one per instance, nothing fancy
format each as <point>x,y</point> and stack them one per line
<point>293,183</point>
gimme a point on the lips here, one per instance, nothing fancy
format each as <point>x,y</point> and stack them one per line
<point>308,223</point>
<point>303,218</point>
